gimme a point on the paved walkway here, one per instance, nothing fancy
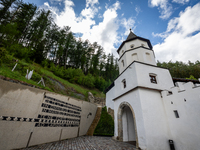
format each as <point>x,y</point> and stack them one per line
<point>85,143</point>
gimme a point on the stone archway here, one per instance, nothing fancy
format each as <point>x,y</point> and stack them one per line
<point>126,121</point>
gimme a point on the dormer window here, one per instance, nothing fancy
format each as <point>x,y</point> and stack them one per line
<point>153,78</point>
<point>132,46</point>
<point>124,83</point>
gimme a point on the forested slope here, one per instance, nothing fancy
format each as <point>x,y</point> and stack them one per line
<point>30,34</point>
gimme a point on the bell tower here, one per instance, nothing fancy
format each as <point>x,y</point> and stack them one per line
<point>135,48</point>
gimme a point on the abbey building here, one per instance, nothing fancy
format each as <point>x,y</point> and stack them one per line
<point>151,108</point>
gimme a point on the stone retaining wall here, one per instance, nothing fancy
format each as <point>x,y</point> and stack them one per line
<point>30,116</point>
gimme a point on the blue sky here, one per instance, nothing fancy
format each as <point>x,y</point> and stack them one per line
<point>172,26</point>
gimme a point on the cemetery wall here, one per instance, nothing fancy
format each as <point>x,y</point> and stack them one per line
<point>30,116</point>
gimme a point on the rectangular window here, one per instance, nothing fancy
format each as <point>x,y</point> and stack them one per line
<point>123,63</point>
<point>153,79</point>
<point>176,113</point>
<point>124,83</point>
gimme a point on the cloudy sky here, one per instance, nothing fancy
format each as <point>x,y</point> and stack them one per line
<point>172,26</point>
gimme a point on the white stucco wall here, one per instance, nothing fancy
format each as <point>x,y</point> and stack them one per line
<point>138,75</point>
<point>140,51</point>
<point>137,43</point>
<point>141,55</point>
<point>164,80</point>
<point>185,130</point>
<point>133,99</point>
<point>110,95</point>
<point>155,120</point>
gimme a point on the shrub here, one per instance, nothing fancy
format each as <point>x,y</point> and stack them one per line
<point>3,54</point>
<point>192,77</point>
<point>52,67</point>
<point>36,77</point>
<point>45,63</point>
<point>88,81</point>
<point>19,51</point>
<point>68,73</point>
<point>105,125</point>
<point>100,83</point>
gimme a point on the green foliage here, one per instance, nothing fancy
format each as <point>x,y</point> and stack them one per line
<point>19,51</point>
<point>21,69</point>
<point>52,67</point>
<point>100,83</point>
<point>36,77</point>
<point>88,81</point>
<point>179,69</point>
<point>3,55</point>
<point>192,77</point>
<point>105,125</point>
<point>31,34</point>
<point>45,63</point>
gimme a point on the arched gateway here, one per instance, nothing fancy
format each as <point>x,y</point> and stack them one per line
<point>127,130</point>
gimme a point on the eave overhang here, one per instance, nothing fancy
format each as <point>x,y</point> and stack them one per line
<point>140,38</point>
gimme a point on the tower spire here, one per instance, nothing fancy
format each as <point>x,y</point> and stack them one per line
<point>131,35</point>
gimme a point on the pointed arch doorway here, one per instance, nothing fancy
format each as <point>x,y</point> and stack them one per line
<point>127,131</point>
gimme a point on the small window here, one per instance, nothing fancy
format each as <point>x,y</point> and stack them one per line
<point>153,78</point>
<point>176,113</point>
<point>142,45</point>
<point>123,63</point>
<point>132,46</point>
<point>124,83</point>
<point>134,56</point>
<point>148,56</point>
<point>122,51</point>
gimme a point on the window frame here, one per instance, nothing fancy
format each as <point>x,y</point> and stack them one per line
<point>132,46</point>
<point>153,78</point>
<point>124,83</point>
<point>176,114</point>
<point>122,63</point>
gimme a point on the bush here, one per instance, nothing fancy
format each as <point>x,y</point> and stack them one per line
<point>100,83</point>
<point>88,81</point>
<point>19,51</point>
<point>105,125</point>
<point>45,63</point>
<point>52,67</point>
<point>68,73</point>
<point>36,77</point>
<point>3,55</point>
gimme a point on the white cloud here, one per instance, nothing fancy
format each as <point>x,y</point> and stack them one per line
<point>104,33</point>
<point>181,1</point>
<point>164,7</point>
<point>91,2</point>
<point>137,9</point>
<point>181,41</point>
<point>128,23</point>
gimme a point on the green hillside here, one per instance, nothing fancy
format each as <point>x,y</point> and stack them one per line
<point>52,82</point>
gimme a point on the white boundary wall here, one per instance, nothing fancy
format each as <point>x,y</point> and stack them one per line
<point>30,116</point>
